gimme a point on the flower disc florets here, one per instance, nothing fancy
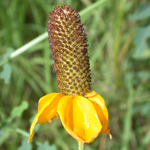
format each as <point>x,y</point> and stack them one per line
<point>68,43</point>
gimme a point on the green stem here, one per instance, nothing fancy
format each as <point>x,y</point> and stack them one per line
<point>80,146</point>
<point>25,47</point>
<point>127,131</point>
<point>43,36</point>
<point>91,7</point>
<point>22,132</point>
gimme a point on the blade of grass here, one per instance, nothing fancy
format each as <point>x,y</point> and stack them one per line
<point>47,68</point>
<point>128,118</point>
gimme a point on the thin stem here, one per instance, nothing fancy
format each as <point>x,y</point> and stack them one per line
<point>43,36</point>
<point>80,146</point>
<point>22,132</point>
<point>91,7</point>
<point>28,45</point>
<point>25,47</point>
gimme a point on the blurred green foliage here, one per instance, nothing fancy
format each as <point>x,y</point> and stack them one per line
<point>119,49</point>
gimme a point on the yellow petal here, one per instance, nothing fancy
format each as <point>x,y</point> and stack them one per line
<point>46,99</point>
<point>47,109</point>
<point>79,118</point>
<point>101,110</point>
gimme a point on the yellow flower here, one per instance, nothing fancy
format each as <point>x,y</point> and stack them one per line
<point>83,114</point>
<point>83,118</point>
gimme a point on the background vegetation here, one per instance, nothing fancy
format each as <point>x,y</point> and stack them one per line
<point>119,48</point>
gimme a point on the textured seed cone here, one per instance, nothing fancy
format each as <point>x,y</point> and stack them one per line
<point>68,43</point>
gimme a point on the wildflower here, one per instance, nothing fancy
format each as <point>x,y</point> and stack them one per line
<point>83,113</point>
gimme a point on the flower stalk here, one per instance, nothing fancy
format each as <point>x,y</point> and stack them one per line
<point>80,146</point>
<point>83,113</point>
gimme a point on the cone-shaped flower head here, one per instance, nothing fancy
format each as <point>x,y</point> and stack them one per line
<point>83,113</point>
<point>68,43</point>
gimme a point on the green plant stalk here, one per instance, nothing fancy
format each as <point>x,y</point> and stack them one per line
<point>117,34</point>
<point>126,136</point>
<point>80,146</point>
<point>24,48</point>
<point>22,132</point>
<point>91,7</point>
<point>43,36</point>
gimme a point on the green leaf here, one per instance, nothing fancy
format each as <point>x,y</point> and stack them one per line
<point>18,110</point>
<point>143,109</point>
<point>25,145</point>
<point>46,146</point>
<point>1,133</point>
<point>7,54</point>
<point>145,75</point>
<point>144,12</point>
<point>6,71</point>
<point>140,41</point>
<point>4,135</point>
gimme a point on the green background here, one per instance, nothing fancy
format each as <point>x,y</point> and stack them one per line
<point>119,49</point>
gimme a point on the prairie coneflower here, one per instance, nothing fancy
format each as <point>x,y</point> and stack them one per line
<point>83,113</point>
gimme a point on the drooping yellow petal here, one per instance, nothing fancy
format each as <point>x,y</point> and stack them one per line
<point>101,110</point>
<point>79,118</point>
<point>46,99</point>
<point>47,109</point>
